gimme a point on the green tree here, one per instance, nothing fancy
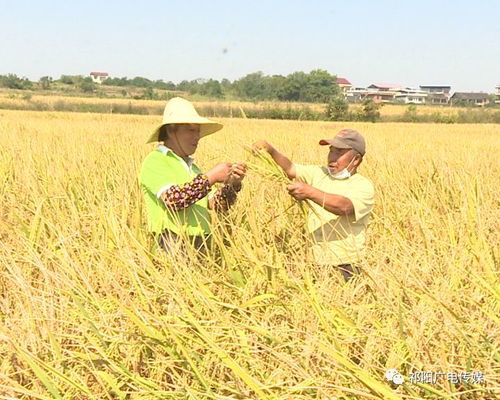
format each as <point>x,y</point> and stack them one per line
<point>160,84</point>
<point>411,114</point>
<point>293,87</point>
<point>317,86</point>
<point>45,82</point>
<point>251,86</point>
<point>211,88</point>
<point>272,86</point>
<point>370,111</point>
<point>12,81</point>
<point>195,86</point>
<point>491,100</point>
<point>117,81</point>
<point>321,87</point>
<point>86,84</point>
<point>148,93</point>
<point>139,81</point>
<point>226,86</point>
<point>337,109</point>
<point>184,86</point>
<point>67,79</point>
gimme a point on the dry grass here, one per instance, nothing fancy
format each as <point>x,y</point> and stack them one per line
<point>88,312</point>
<point>391,110</point>
<point>11,99</point>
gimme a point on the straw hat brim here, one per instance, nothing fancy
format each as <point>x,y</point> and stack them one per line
<point>181,111</point>
<point>207,127</point>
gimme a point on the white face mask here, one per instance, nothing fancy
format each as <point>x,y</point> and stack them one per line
<point>344,174</point>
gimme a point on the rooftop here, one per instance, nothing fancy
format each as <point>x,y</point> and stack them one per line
<point>436,86</point>
<point>343,81</point>
<point>385,86</point>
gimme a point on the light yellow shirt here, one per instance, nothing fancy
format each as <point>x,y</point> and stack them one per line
<point>337,239</point>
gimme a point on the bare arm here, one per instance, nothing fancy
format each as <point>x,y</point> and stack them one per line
<point>334,203</point>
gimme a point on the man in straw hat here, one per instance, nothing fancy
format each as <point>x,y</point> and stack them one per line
<point>177,193</point>
<point>340,200</point>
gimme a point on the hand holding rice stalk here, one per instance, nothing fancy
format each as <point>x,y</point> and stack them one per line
<point>267,168</point>
<point>236,175</point>
<point>270,169</point>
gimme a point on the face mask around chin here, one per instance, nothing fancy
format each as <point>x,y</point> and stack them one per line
<point>344,174</point>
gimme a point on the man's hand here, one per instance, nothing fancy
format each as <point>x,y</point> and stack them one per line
<point>299,190</point>
<point>238,173</point>
<point>262,145</point>
<point>280,159</point>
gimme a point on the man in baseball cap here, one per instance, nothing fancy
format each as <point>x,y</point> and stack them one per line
<point>347,139</point>
<point>340,200</point>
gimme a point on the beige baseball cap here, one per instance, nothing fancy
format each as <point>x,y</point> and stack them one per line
<point>347,139</point>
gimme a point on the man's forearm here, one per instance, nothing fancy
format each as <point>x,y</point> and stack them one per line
<point>334,203</point>
<point>284,162</point>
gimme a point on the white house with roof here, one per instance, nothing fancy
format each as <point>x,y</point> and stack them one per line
<point>385,86</point>
<point>99,77</point>
<point>411,96</point>
<point>437,94</point>
<point>344,86</point>
<point>383,92</point>
<point>439,89</point>
<point>469,99</point>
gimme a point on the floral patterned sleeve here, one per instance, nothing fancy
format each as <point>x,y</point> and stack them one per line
<point>226,197</point>
<point>178,197</point>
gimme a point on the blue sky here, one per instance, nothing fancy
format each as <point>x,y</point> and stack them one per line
<point>404,42</point>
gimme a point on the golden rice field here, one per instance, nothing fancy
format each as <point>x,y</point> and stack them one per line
<point>89,310</point>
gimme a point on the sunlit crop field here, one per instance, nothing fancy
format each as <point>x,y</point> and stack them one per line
<point>89,309</point>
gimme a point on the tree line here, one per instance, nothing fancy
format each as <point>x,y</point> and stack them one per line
<point>317,86</point>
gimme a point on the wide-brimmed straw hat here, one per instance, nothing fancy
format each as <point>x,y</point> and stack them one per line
<point>181,111</point>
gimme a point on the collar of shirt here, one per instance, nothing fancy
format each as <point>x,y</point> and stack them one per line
<point>165,150</point>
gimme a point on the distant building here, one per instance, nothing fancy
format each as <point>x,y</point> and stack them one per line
<point>385,86</point>
<point>437,98</point>
<point>436,89</point>
<point>497,100</point>
<point>344,85</point>
<point>411,96</point>
<point>99,77</point>
<point>379,93</point>
<point>381,96</point>
<point>356,94</point>
<point>438,94</point>
<point>469,99</point>
<point>383,92</point>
